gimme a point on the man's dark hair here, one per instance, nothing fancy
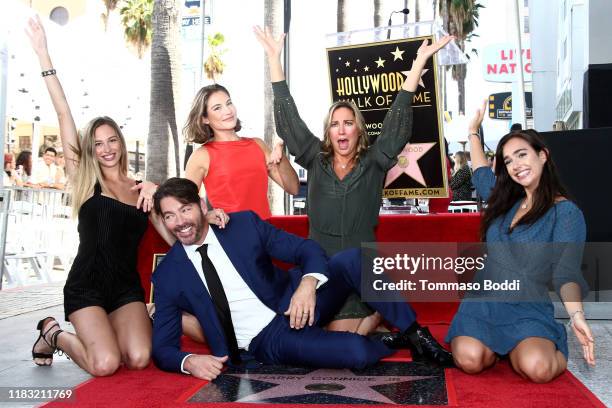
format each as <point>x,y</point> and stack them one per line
<point>51,149</point>
<point>184,190</point>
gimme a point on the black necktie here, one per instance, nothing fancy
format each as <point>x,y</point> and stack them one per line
<point>217,294</point>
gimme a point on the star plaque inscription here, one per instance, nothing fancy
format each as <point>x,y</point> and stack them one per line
<point>386,383</point>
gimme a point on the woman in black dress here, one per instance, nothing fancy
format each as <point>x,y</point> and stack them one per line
<point>103,297</point>
<point>461,181</point>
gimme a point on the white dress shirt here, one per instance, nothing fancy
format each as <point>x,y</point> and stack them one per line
<point>249,314</point>
<point>43,173</point>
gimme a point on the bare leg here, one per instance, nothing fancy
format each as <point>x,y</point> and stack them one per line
<point>192,328</point>
<point>471,355</point>
<point>362,325</point>
<point>94,347</point>
<point>369,324</point>
<point>538,360</point>
<point>133,330</point>
<point>344,325</point>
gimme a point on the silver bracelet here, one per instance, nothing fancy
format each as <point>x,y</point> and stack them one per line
<point>571,320</point>
<point>48,72</point>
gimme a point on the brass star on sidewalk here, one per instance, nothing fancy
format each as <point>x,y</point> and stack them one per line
<point>337,382</point>
<point>397,54</point>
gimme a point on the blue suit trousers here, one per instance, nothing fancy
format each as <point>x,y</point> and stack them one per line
<point>313,346</point>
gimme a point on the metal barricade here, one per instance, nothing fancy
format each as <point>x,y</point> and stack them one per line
<point>38,234</point>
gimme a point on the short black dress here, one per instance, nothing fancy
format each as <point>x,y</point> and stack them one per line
<point>104,271</point>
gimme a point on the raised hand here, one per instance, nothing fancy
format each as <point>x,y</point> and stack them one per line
<point>36,33</point>
<point>276,155</point>
<point>273,47</point>
<point>426,50</point>
<point>477,119</point>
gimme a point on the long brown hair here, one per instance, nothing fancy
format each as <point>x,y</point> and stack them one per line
<point>195,130</point>
<point>507,192</point>
<point>327,147</point>
<point>25,159</point>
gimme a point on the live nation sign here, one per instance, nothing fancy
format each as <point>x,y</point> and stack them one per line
<point>501,63</point>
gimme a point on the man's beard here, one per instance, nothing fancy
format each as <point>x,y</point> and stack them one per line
<point>197,227</point>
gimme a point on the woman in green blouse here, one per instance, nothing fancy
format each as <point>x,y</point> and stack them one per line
<point>345,173</point>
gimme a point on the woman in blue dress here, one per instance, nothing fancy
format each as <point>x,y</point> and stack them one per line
<point>527,205</point>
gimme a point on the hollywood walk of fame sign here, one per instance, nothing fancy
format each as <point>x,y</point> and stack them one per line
<point>371,75</point>
<point>386,383</point>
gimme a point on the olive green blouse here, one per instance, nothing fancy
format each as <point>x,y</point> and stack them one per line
<point>343,213</point>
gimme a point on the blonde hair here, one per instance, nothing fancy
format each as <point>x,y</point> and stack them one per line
<point>327,147</point>
<point>461,162</point>
<point>195,130</point>
<point>88,170</point>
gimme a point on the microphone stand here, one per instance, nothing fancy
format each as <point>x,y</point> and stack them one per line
<point>390,23</point>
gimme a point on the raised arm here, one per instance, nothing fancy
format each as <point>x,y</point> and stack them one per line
<point>68,131</point>
<point>273,48</point>
<point>279,168</point>
<point>397,125</point>
<point>477,153</point>
<point>424,52</point>
<point>289,125</point>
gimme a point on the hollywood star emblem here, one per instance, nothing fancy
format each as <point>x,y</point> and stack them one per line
<point>407,163</point>
<point>423,72</point>
<point>386,383</point>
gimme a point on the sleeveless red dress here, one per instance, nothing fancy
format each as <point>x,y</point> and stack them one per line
<point>237,178</point>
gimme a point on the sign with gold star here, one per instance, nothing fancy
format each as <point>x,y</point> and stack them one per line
<point>371,75</point>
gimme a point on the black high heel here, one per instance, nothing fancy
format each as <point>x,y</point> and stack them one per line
<point>52,344</point>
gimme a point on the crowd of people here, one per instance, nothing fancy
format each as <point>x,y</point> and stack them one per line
<point>49,172</point>
<point>218,281</point>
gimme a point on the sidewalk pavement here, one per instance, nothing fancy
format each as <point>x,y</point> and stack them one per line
<point>20,310</point>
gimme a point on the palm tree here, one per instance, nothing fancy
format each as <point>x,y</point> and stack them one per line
<point>136,20</point>
<point>341,19</point>
<point>163,141</point>
<point>273,18</point>
<point>460,18</point>
<point>110,5</point>
<point>214,65</point>
<point>378,18</point>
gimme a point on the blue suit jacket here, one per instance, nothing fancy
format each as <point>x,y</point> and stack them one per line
<point>250,243</point>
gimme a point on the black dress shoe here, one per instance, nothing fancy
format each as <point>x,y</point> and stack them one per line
<point>393,340</point>
<point>423,346</point>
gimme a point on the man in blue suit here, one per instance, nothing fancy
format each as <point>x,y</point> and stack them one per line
<point>248,308</point>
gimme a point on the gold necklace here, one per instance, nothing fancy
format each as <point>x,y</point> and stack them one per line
<point>343,166</point>
<point>524,205</point>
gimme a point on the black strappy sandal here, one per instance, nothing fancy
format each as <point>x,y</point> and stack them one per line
<point>52,344</point>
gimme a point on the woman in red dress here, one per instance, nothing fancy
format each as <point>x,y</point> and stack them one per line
<point>234,169</point>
